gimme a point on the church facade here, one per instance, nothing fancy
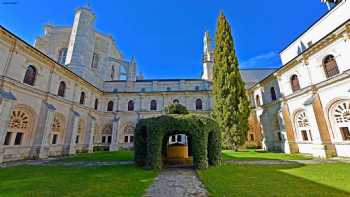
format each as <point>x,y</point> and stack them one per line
<point>305,105</point>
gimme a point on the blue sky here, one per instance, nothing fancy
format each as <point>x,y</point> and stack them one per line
<point>166,36</point>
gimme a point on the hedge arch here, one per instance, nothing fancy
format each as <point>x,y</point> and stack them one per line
<point>203,131</point>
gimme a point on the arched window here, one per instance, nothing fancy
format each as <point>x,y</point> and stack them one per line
<point>30,76</point>
<point>19,127</point>
<point>131,105</point>
<point>62,54</point>
<point>273,94</point>
<point>294,80</point>
<point>129,134</point>
<point>58,125</point>
<point>341,119</point>
<point>153,106</point>
<point>199,105</point>
<point>82,98</point>
<point>110,106</point>
<point>61,89</point>
<point>112,73</point>
<point>303,126</point>
<point>96,104</point>
<point>257,101</point>
<point>330,66</point>
<point>168,89</point>
<point>95,60</point>
<point>175,101</point>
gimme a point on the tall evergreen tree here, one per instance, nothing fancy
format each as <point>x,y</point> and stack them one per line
<point>230,100</point>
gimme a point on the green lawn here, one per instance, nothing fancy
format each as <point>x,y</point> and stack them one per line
<point>260,155</point>
<point>53,181</point>
<point>122,155</point>
<point>277,180</point>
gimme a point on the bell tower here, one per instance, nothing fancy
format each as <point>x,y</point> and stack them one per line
<point>208,58</point>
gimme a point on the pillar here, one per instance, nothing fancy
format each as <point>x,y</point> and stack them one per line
<point>6,103</point>
<point>89,146</point>
<point>69,146</point>
<point>293,146</point>
<point>114,144</point>
<point>328,146</point>
<point>40,147</point>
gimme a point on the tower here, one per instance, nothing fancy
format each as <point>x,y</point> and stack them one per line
<point>208,59</point>
<point>82,41</point>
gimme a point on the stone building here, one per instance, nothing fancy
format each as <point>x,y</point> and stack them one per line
<point>304,106</point>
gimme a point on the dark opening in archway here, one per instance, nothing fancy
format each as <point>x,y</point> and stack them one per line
<point>177,150</point>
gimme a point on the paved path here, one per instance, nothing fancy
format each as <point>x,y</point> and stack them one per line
<point>278,162</point>
<point>55,161</point>
<point>177,182</point>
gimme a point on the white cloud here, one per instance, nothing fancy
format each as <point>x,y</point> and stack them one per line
<point>266,60</point>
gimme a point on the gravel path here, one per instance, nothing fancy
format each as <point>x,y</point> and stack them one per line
<point>177,182</point>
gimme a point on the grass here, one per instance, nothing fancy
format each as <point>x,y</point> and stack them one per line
<point>260,155</point>
<point>123,155</point>
<point>277,180</point>
<point>42,181</point>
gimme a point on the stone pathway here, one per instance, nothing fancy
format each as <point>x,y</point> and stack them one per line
<point>177,182</point>
<point>58,161</point>
<point>278,162</point>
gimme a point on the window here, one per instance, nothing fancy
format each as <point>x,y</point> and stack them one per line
<point>112,73</point>
<point>330,66</point>
<point>110,106</point>
<point>168,89</point>
<point>126,139</point>
<point>257,101</point>
<point>131,139</point>
<point>30,76</point>
<point>143,89</point>
<point>251,137</point>
<point>18,139</point>
<point>82,98</point>
<point>153,106</point>
<point>273,94</point>
<point>279,135</point>
<point>173,138</point>
<point>345,133</point>
<point>197,88</point>
<point>176,101</point>
<point>109,139</point>
<point>131,105</point>
<point>178,138</point>
<point>61,89</point>
<point>96,104</point>
<point>295,83</point>
<point>62,54</point>
<point>77,139</point>
<point>103,139</point>
<point>95,61</point>
<point>8,138</point>
<point>199,105</point>
<point>304,135</point>
<point>54,139</point>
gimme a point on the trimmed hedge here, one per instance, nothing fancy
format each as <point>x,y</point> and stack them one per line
<point>152,133</point>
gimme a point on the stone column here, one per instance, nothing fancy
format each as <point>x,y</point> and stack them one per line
<point>6,102</point>
<point>90,134</point>
<point>69,147</point>
<point>329,147</point>
<point>293,147</point>
<point>114,144</point>
<point>40,146</point>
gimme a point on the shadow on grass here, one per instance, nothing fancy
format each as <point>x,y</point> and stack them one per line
<point>251,154</point>
<point>275,180</point>
<point>122,155</point>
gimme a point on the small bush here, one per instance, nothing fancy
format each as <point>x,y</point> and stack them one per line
<point>176,108</point>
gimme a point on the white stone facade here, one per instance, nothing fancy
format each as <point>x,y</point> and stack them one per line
<point>317,66</point>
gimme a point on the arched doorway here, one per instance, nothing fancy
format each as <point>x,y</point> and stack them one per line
<point>177,149</point>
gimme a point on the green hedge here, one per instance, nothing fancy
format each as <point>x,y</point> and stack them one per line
<point>151,133</point>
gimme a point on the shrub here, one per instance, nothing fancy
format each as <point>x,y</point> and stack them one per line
<point>151,133</point>
<point>176,108</point>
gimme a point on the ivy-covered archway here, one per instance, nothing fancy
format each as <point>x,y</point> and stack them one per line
<point>204,132</point>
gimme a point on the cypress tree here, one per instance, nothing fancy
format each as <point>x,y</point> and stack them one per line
<point>231,105</point>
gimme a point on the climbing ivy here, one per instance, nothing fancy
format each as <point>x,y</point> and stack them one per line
<point>150,134</point>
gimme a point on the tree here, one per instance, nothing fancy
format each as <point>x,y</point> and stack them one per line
<point>231,105</point>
